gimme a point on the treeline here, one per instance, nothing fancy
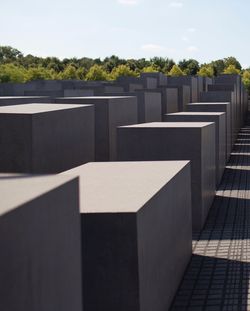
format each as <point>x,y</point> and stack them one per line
<point>16,67</point>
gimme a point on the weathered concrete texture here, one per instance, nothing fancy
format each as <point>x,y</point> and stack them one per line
<point>129,262</point>
<point>223,96</point>
<point>45,138</point>
<point>161,78</point>
<point>40,243</point>
<point>191,81</point>
<point>216,107</point>
<point>219,118</point>
<point>110,112</point>
<point>149,104</point>
<point>176,141</point>
<point>78,93</point>
<point>169,99</point>
<point>184,93</point>
<point>17,100</point>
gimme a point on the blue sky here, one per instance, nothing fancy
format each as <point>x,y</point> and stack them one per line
<point>200,29</point>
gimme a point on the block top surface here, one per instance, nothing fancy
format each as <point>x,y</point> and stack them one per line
<point>23,97</point>
<point>101,98</point>
<point>196,114</point>
<point>122,187</point>
<point>211,103</point>
<point>169,125</point>
<point>18,189</point>
<point>37,108</point>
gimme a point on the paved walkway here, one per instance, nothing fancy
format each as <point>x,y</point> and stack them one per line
<point>218,277</point>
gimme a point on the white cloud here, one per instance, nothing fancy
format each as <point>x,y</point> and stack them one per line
<point>175,4</point>
<point>128,2</point>
<point>155,48</point>
<point>185,38</point>
<point>192,48</point>
<point>191,29</point>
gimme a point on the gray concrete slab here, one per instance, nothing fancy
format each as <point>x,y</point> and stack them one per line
<point>110,112</point>
<point>18,100</point>
<point>191,81</point>
<point>216,107</point>
<point>161,78</point>
<point>45,138</point>
<point>169,99</point>
<point>176,141</point>
<point>184,93</point>
<point>40,243</point>
<point>219,118</point>
<point>129,263</point>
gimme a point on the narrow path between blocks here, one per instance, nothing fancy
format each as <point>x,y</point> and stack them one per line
<point>218,276</point>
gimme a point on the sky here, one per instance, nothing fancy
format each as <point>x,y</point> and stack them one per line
<point>200,29</point>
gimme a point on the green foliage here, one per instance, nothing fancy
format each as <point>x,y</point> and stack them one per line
<point>206,71</point>
<point>122,70</point>
<point>189,67</point>
<point>246,79</point>
<point>16,67</point>
<point>12,73</point>
<point>176,71</point>
<point>150,69</point>
<point>39,73</point>
<point>231,69</point>
<point>97,73</point>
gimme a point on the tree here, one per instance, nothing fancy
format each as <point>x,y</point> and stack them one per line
<point>231,69</point>
<point>232,61</point>
<point>206,71</point>
<point>189,66</point>
<point>9,54</point>
<point>218,66</point>
<point>122,70</point>
<point>39,73</point>
<point>12,73</point>
<point>97,73</point>
<point>69,73</point>
<point>176,71</point>
<point>150,69</point>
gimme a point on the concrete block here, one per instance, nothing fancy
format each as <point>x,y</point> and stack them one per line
<point>161,78</point>
<point>78,93</point>
<point>176,141</point>
<point>17,100</point>
<point>219,118</point>
<point>45,138</point>
<point>40,243</point>
<point>110,112</point>
<point>129,262</point>
<point>191,81</point>
<point>184,94</point>
<point>216,107</point>
<point>130,84</point>
<point>169,99</point>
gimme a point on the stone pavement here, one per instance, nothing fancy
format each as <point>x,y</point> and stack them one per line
<point>218,275</point>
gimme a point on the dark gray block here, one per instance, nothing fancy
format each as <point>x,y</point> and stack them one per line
<point>191,81</point>
<point>130,84</point>
<point>216,107</point>
<point>18,100</point>
<point>136,233</point>
<point>184,94</point>
<point>110,112</point>
<point>169,99</point>
<point>45,138</point>
<point>219,118</point>
<point>40,243</point>
<point>149,104</point>
<point>160,77</point>
<point>176,141</point>
<point>78,93</point>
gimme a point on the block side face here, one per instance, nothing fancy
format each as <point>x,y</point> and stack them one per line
<point>15,143</point>
<point>164,249</point>
<point>208,169</point>
<point>110,262</point>
<point>153,110</point>
<point>158,144</point>
<point>122,113</point>
<point>172,100</point>
<point>62,139</point>
<point>15,100</point>
<point>41,251</point>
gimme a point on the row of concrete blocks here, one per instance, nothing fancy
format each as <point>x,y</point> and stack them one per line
<point>117,240</point>
<point>127,249</point>
<point>51,138</point>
